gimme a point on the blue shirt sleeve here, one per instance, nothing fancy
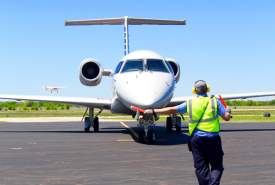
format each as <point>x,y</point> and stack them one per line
<point>221,108</point>
<point>182,108</point>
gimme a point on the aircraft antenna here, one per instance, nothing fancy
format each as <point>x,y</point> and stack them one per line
<point>125,21</point>
<point>126,36</point>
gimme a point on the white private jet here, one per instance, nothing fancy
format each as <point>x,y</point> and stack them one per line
<point>142,78</point>
<point>52,88</point>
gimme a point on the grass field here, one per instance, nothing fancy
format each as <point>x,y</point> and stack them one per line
<point>251,114</point>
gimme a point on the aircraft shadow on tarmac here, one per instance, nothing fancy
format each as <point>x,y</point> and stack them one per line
<point>61,131</point>
<point>163,138</point>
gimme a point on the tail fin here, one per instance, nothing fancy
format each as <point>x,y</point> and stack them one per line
<point>124,21</point>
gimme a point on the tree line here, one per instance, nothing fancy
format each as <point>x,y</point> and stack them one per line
<point>31,105</point>
<point>250,103</point>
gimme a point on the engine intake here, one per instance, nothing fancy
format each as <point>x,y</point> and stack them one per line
<point>176,68</point>
<point>90,72</point>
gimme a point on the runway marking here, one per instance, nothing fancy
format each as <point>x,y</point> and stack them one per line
<point>130,129</point>
<point>125,140</point>
<point>16,148</point>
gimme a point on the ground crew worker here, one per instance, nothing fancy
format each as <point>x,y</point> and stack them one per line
<point>204,127</point>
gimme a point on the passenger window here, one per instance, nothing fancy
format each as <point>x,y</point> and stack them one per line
<point>156,65</point>
<point>132,65</point>
<point>118,67</point>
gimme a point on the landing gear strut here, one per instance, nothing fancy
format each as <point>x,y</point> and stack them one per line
<point>91,120</point>
<point>148,134</point>
<point>173,121</point>
<point>146,123</point>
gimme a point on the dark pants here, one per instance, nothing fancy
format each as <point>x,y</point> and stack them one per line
<point>208,159</point>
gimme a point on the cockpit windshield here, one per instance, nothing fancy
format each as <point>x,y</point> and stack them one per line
<point>132,65</point>
<point>150,65</point>
<point>156,65</point>
<point>118,67</point>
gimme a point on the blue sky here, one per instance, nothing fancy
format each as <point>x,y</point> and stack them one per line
<point>230,44</point>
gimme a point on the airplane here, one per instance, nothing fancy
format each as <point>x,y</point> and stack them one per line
<point>52,88</point>
<point>142,78</point>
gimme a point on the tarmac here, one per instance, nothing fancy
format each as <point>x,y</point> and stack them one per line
<point>59,153</point>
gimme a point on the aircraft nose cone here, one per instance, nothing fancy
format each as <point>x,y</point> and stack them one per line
<point>145,99</point>
<point>145,89</point>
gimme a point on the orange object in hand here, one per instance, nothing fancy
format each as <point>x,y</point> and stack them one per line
<point>135,108</point>
<point>222,101</point>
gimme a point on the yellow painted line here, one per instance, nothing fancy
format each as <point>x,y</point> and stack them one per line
<point>130,129</point>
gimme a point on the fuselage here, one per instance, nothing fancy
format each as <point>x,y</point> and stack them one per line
<point>144,79</point>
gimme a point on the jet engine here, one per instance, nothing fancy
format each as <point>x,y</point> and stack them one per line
<point>175,67</point>
<point>90,72</point>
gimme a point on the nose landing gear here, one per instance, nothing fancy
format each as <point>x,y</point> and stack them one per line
<point>148,133</point>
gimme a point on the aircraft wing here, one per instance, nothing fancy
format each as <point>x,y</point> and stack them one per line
<point>179,100</point>
<point>91,102</point>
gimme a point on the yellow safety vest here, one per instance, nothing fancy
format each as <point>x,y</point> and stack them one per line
<point>210,119</point>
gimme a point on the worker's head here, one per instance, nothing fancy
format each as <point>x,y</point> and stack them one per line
<point>200,87</point>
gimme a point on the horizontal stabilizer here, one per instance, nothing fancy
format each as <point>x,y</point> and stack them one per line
<point>125,21</point>
<point>121,21</point>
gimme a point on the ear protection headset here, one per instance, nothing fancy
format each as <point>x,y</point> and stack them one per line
<point>196,89</point>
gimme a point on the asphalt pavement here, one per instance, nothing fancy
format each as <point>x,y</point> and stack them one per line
<point>61,154</point>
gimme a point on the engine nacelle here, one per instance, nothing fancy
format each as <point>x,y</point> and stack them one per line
<point>90,72</point>
<point>176,68</point>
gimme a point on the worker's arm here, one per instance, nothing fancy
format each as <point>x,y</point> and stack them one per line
<point>181,109</point>
<point>225,113</point>
<point>166,110</point>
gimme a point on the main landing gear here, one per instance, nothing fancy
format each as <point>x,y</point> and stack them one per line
<point>91,120</point>
<point>173,121</point>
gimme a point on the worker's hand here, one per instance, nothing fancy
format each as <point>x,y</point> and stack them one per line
<point>228,110</point>
<point>148,111</point>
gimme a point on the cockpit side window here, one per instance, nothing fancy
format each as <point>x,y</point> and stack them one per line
<point>170,67</point>
<point>132,65</point>
<point>156,65</point>
<point>118,67</point>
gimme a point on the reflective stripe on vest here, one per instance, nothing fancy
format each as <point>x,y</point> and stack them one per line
<point>209,121</point>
